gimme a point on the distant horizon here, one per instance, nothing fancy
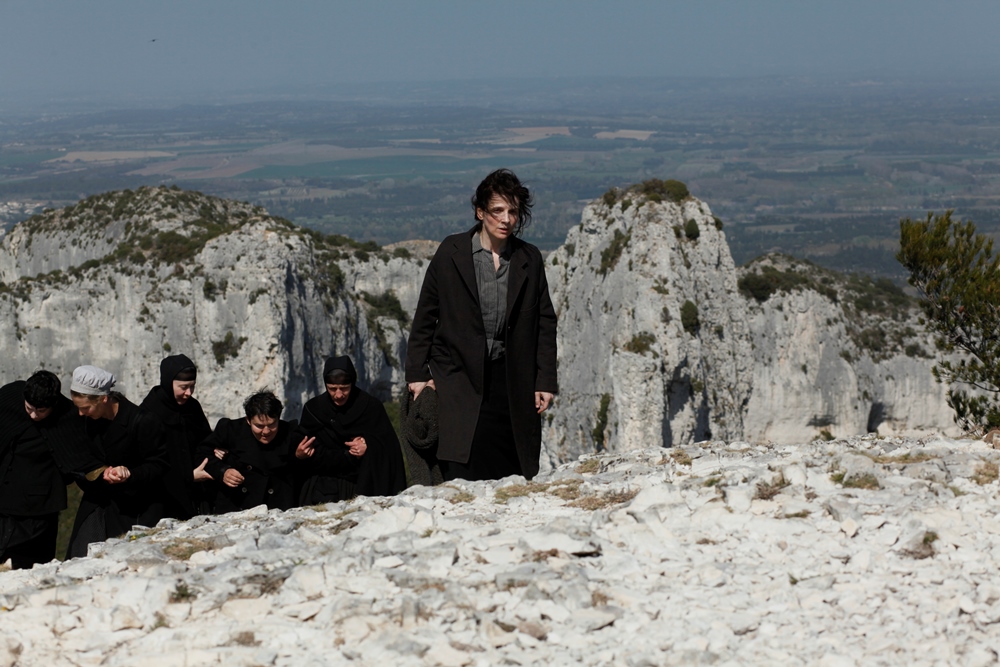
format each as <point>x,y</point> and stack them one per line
<point>404,92</point>
<point>114,50</point>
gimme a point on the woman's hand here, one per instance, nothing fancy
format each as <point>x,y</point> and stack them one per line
<point>542,400</point>
<point>417,387</point>
<point>232,478</point>
<point>116,474</point>
<point>220,453</point>
<point>200,475</point>
<point>358,446</point>
<point>306,448</point>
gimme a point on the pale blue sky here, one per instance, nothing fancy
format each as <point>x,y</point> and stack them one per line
<point>64,47</point>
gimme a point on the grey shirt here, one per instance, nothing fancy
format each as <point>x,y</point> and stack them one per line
<point>492,285</point>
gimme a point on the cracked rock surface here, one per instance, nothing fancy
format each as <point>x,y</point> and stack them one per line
<point>850,552</point>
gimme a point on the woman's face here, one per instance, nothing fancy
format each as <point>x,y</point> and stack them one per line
<point>264,428</point>
<point>339,393</point>
<point>91,407</point>
<point>499,219</point>
<point>183,391</point>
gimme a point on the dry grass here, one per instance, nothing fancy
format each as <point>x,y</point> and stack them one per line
<point>539,556</point>
<point>461,497</point>
<point>567,489</point>
<point>986,473</point>
<point>866,481</point>
<point>245,638</point>
<point>503,494</point>
<point>798,515</point>
<point>768,490</point>
<point>908,457</point>
<point>598,502</point>
<point>678,456</point>
<point>184,548</point>
<point>589,466</point>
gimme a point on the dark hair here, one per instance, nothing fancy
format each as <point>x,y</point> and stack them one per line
<point>503,183</point>
<point>43,389</point>
<point>338,376</point>
<point>263,404</point>
<point>187,375</point>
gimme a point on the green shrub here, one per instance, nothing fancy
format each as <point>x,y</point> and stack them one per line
<point>689,317</point>
<point>718,222</point>
<point>656,190</point>
<point>611,254</point>
<point>641,343</point>
<point>386,305</point>
<point>691,229</point>
<point>227,348</point>
<point>401,252</point>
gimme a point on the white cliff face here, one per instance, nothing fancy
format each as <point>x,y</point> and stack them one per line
<point>619,285</point>
<point>813,359</point>
<point>658,346</point>
<point>259,304</point>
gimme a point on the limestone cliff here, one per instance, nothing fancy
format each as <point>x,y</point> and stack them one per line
<point>663,341</point>
<point>122,279</point>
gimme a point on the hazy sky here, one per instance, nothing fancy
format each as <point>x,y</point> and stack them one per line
<point>64,47</point>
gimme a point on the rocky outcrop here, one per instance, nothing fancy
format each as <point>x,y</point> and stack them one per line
<point>122,279</point>
<point>719,553</point>
<point>663,341</point>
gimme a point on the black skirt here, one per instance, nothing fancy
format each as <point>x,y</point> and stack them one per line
<point>494,453</point>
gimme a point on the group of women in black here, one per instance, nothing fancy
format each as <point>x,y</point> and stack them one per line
<point>480,371</point>
<point>139,463</point>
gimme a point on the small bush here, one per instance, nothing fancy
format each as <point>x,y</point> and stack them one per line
<point>691,229</point>
<point>656,190</point>
<point>386,305</point>
<point>401,252</point>
<point>611,254</point>
<point>641,343</point>
<point>227,348</point>
<point>689,317</point>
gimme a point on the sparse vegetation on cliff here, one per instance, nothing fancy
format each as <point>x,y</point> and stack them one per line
<point>958,277</point>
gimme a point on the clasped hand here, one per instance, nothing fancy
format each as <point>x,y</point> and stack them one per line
<point>116,474</point>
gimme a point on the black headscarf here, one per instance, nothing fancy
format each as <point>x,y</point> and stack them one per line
<point>171,367</point>
<point>343,363</point>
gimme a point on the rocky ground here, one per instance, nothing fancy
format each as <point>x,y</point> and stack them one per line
<point>864,551</point>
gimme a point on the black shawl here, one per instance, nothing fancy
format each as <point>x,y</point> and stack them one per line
<point>134,439</point>
<point>185,427</point>
<point>332,470</point>
<point>63,432</point>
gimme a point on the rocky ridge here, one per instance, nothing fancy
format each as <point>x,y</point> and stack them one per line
<point>122,279</point>
<point>662,340</point>
<point>852,552</point>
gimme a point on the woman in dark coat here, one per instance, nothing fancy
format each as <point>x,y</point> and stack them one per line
<point>356,451</point>
<point>42,449</point>
<point>256,453</point>
<point>130,441</point>
<point>484,337</point>
<point>185,427</point>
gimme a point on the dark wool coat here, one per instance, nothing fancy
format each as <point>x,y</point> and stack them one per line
<point>331,473</point>
<point>38,459</point>
<point>448,343</point>
<point>185,427</point>
<point>267,477</point>
<point>134,439</point>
